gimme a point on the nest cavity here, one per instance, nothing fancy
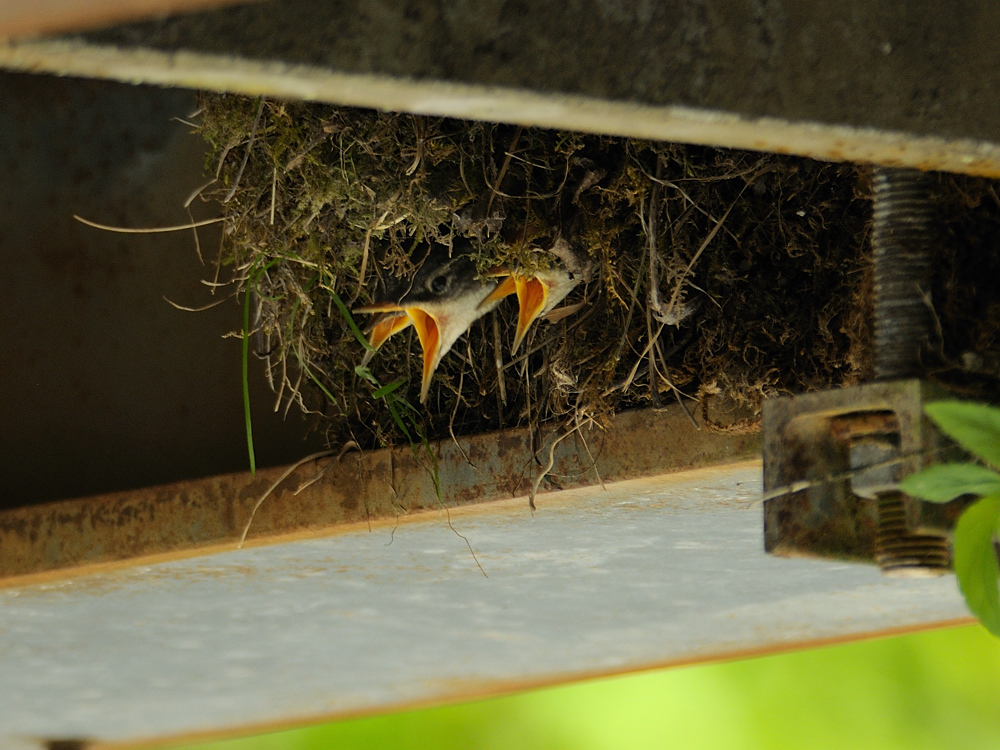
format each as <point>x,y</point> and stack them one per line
<point>720,277</point>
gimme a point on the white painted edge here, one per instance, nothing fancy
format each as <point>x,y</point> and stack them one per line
<point>825,141</point>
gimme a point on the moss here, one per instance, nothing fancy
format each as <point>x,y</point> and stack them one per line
<point>780,292</point>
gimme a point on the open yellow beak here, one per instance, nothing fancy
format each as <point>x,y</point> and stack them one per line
<point>378,307</point>
<point>430,341</point>
<point>387,324</point>
<point>505,288</point>
<point>531,296</point>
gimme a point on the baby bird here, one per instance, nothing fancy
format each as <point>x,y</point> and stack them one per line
<point>444,299</point>
<point>538,294</point>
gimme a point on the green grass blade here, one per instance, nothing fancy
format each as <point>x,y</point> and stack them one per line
<point>350,321</point>
<point>976,427</point>
<point>319,385</point>
<point>943,482</point>
<point>365,374</point>
<point>410,408</point>
<point>251,288</point>
<point>398,420</point>
<point>385,390</point>
<point>246,379</point>
<point>976,560</point>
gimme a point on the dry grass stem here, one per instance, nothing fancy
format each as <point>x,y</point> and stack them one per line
<point>150,230</point>
<point>323,201</point>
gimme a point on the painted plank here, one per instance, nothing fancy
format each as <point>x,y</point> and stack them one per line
<point>647,572</point>
<point>894,83</point>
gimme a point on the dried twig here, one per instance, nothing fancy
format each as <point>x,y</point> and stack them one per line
<point>284,475</point>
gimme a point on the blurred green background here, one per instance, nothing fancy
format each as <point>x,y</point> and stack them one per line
<point>938,689</point>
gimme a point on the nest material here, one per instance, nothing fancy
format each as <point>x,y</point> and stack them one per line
<point>721,276</point>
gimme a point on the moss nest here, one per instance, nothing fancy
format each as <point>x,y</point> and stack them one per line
<point>721,277</point>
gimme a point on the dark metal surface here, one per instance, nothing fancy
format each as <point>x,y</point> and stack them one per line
<point>318,497</point>
<point>896,83</point>
<point>833,460</point>
<point>105,386</point>
<point>902,250</point>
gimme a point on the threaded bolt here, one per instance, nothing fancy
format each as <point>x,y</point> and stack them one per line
<point>900,553</point>
<point>903,220</point>
<point>902,243</point>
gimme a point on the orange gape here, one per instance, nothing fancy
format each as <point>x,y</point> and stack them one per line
<point>430,339</point>
<point>386,326</point>
<point>531,297</point>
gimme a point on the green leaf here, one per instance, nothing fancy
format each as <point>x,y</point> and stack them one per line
<point>976,560</point>
<point>976,427</point>
<point>385,390</point>
<point>940,483</point>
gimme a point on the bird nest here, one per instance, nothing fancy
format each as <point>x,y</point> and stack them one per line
<point>720,277</point>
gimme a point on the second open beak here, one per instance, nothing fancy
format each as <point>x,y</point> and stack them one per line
<point>532,294</point>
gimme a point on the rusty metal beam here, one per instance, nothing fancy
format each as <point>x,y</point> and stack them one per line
<point>204,515</point>
<point>895,83</point>
<point>25,18</point>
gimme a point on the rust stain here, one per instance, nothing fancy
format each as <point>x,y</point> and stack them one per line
<point>861,424</point>
<point>808,438</point>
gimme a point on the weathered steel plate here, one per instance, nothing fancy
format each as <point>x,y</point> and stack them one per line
<point>320,496</point>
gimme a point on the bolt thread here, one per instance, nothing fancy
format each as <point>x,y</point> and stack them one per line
<point>900,553</point>
<point>902,246</point>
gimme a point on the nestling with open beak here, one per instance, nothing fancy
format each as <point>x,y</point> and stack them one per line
<point>539,293</point>
<point>444,299</point>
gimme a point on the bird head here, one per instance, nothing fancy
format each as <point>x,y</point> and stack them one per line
<point>541,291</point>
<point>445,297</point>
